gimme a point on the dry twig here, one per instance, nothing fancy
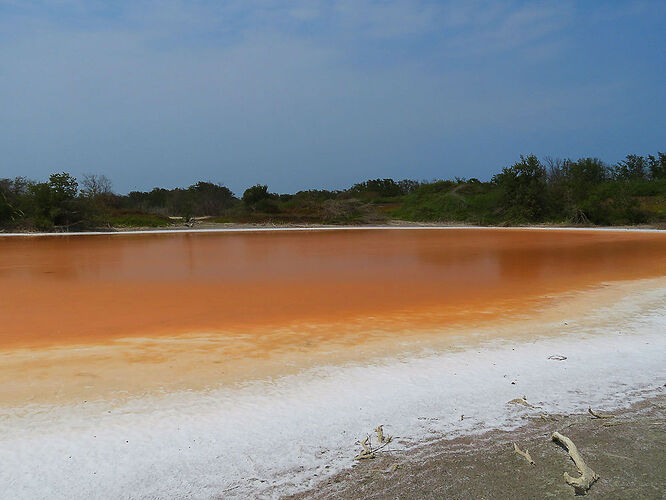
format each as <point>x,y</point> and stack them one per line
<point>521,401</point>
<point>367,450</point>
<point>525,453</point>
<point>598,415</point>
<point>380,435</point>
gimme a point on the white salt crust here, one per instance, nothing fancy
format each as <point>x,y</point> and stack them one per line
<point>281,436</point>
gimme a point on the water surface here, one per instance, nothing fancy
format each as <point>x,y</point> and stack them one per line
<point>92,289</point>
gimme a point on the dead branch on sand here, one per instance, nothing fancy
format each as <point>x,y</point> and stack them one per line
<point>367,450</point>
<point>521,401</point>
<point>380,435</point>
<point>598,415</point>
<point>588,476</point>
<point>525,453</point>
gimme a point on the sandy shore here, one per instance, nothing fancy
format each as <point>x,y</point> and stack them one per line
<point>282,435</point>
<point>206,226</point>
<point>627,451</point>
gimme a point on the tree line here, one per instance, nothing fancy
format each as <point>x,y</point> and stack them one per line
<point>583,191</point>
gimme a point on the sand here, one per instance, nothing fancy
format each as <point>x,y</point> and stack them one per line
<point>626,451</point>
<point>281,435</point>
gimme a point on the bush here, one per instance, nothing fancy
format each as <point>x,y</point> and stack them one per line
<point>522,188</point>
<point>255,194</point>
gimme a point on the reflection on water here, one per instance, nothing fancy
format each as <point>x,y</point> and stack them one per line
<point>89,288</point>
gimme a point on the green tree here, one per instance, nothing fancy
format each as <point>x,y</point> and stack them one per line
<point>63,187</point>
<point>12,198</point>
<point>211,199</point>
<point>55,202</point>
<point>583,174</point>
<point>632,167</point>
<point>611,203</point>
<point>657,166</point>
<point>384,188</point>
<point>255,194</point>
<point>523,188</point>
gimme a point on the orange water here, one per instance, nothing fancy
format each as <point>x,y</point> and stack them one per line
<point>94,289</point>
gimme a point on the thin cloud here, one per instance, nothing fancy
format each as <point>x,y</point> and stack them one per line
<point>306,93</point>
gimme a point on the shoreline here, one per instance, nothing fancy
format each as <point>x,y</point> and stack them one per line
<point>68,373</point>
<point>288,435</point>
<point>230,228</point>
<point>625,448</point>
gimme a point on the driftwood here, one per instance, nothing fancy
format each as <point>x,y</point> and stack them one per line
<point>367,450</point>
<point>598,415</point>
<point>588,476</point>
<point>525,453</point>
<point>380,435</point>
<point>521,401</point>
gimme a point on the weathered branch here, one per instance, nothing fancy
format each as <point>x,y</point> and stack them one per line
<point>521,401</point>
<point>367,450</point>
<point>588,476</point>
<point>598,415</point>
<point>382,446</point>
<point>525,453</point>
<point>380,435</point>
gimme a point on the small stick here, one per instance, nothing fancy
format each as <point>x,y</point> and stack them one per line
<point>367,450</point>
<point>598,415</point>
<point>382,446</point>
<point>380,435</point>
<point>525,453</point>
<point>521,401</point>
<point>588,476</point>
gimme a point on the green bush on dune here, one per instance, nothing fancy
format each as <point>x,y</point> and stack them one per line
<point>584,191</point>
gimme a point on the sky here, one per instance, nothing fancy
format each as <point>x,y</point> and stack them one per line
<point>322,94</point>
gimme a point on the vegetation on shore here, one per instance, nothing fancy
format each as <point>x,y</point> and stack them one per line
<point>585,192</point>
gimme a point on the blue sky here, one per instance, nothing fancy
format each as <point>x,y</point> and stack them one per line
<point>322,94</point>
